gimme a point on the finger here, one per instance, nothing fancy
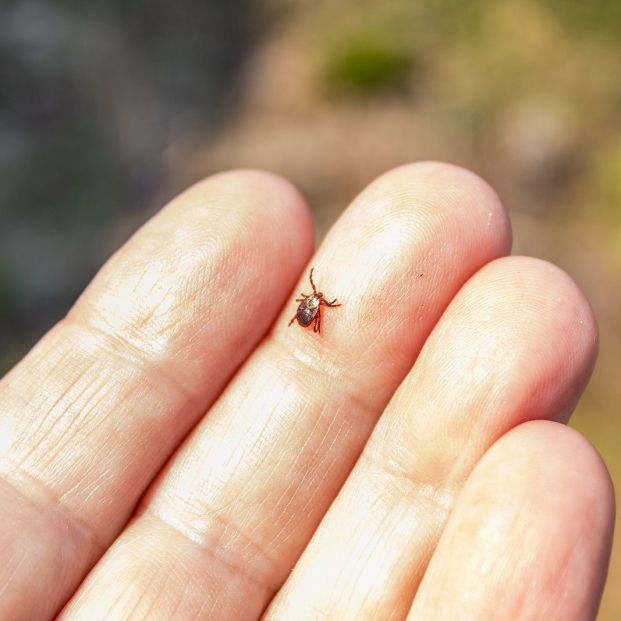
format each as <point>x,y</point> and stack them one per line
<point>244,495</point>
<point>516,343</point>
<point>530,535</point>
<point>91,414</point>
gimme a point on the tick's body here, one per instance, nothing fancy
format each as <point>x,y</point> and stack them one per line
<point>309,310</point>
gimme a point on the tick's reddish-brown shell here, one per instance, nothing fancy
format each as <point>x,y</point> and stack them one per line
<point>308,309</point>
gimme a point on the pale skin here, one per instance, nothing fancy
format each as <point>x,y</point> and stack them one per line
<point>173,450</point>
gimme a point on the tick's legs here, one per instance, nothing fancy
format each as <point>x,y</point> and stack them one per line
<point>300,299</point>
<point>311,279</point>
<point>330,303</point>
<point>292,319</point>
<point>317,326</point>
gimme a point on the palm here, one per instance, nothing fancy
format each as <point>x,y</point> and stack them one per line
<point>206,461</point>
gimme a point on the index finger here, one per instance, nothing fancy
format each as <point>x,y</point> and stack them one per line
<point>91,414</point>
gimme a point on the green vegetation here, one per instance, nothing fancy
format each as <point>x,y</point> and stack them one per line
<point>609,179</point>
<point>367,65</point>
<point>595,18</point>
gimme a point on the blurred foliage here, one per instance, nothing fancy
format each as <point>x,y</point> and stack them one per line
<point>367,64</point>
<point>599,18</point>
<point>81,151</point>
<point>8,292</point>
<point>609,178</point>
<point>91,96</point>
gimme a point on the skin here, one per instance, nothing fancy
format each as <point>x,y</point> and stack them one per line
<point>172,450</point>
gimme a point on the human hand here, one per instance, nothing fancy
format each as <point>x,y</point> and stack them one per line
<point>209,462</point>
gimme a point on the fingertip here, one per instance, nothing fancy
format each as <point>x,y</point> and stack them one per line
<point>443,187</point>
<point>234,240</point>
<point>543,458</point>
<point>541,300</point>
<point>557,477</point>
<point>530,535</point>
<point>265,196</point>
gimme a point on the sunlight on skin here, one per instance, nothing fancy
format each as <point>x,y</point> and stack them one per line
<point>439,423</point>
<point>267,505</point>
<point>534,518</point>
<point>177,325</point>
<point>117,387</point>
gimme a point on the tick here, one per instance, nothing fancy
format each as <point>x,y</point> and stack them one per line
<point>309,310</point>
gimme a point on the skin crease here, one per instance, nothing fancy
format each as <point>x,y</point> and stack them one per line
<point>180,452</point>
<point>459,398</point>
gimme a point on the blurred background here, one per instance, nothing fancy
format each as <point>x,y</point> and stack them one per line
<point>109,108</point>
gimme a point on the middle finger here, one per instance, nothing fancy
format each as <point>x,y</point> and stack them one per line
<point>240,500</point>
